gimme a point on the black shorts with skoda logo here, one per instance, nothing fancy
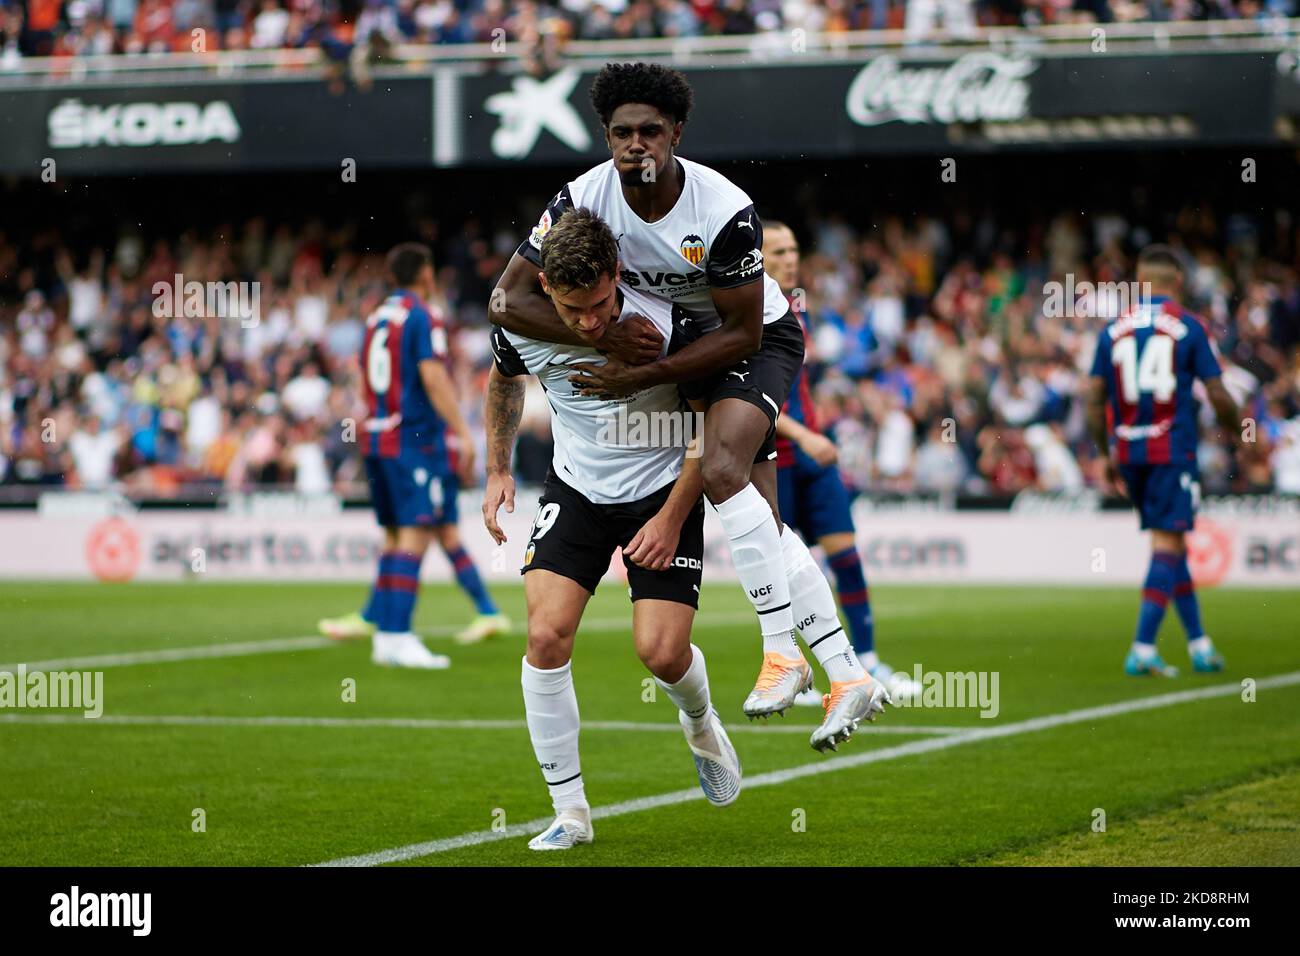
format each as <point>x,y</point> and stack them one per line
<point>574,537</point>
<point>764,379</point>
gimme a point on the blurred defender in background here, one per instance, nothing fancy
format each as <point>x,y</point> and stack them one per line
<point>413,467</point>
<point>812,496</point>
<point>1146,365</point>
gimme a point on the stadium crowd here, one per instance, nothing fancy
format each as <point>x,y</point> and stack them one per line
<point>91,27</point>
<point>940,362</point>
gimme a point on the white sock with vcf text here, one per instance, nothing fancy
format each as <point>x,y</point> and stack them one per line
<point>551,709</point>
<point>756,554</point>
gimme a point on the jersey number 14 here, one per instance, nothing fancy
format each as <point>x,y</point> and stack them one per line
<point>1148,372</point>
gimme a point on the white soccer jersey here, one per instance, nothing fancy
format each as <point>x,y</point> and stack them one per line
<point>613,452</point>
<point>711,238</point>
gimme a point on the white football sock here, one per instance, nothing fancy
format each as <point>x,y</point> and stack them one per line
<point>756,554</point>
<point>1200,645</point>
<point>551,708</point>
<point>815,614</point>
<point>1144,651</point>
<point>691,692</point>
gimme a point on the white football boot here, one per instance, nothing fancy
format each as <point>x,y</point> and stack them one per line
<point>848,704</point>
<point>780,681</point>
<point>406,650</point>
<point>716,762</point>
<point>572,826</point>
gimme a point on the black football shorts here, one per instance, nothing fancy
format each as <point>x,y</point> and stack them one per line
<point>574,537</point>
<point>763,379</point>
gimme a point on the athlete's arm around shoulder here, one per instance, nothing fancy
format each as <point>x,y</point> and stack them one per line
<point>519,305</point>
<point>736,285</point>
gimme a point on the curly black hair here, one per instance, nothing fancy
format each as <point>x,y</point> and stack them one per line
<point>659,86</point>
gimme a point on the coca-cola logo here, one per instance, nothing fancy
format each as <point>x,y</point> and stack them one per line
<point>973,88</point>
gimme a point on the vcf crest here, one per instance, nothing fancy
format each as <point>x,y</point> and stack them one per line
<point>693,249</point>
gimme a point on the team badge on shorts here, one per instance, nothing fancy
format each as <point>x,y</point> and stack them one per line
<point>693,249</point>
<point>528,555</point>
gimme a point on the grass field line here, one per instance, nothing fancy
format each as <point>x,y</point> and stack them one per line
<point>432,723</point>
<point>314,642</point>
<point>776,777</point>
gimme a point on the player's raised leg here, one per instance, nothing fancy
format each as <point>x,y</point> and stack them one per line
<point>733,432</point>
<point>555,606</point>
<point>855,695</point>
<point>663,642</point>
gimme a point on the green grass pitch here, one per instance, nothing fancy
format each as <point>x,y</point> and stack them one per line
<point>1200,781</point>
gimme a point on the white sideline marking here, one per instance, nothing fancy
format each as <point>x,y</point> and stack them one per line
<point>167,655</point>
<point>427,723</point>
<point>479,837</point>
<point>314,642</point>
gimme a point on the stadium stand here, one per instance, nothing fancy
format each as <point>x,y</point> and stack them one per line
<point>71,28</point>
<point>921,320</point>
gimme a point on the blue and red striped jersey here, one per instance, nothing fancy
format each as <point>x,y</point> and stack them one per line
<point>798,405</point>
<point>1149,358</point>
<point>400,334</point>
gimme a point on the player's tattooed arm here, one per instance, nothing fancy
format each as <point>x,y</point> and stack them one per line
<point>504,408</point>
<point>503,411</point>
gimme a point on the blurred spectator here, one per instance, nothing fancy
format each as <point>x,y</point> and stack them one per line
<point>360,31</point>
<point>934,366</point>
<point>93,450</point>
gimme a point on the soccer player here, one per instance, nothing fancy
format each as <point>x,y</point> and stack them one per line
<point>413,471</point>
<point>811,493</point>
<point>1145,366</point>
<point>604,492</point>
<point>689,236</point>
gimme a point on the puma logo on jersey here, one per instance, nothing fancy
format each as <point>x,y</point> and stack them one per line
<point>739,375</point>
<point>746,223</point>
